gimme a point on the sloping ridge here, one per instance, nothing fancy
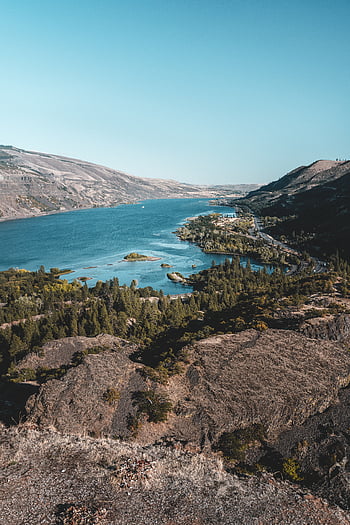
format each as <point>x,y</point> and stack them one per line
<point>233,381</point>
<point>306,177</point>
<point>32,183</point>
<point>316,199</point>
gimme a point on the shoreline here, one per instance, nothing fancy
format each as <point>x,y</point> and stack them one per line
<point>58,212</point>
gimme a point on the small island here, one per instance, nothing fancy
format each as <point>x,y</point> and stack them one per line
<point>165,265</point>
<point>134,256</point>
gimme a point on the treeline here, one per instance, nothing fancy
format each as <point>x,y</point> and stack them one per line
<point>37,307</point>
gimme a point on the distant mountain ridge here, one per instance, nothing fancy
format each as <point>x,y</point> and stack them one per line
<point>32,183</point>
<point>315,199</point>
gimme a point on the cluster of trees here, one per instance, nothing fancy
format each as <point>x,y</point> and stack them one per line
<point>37,307</point>
<point>229,238</point>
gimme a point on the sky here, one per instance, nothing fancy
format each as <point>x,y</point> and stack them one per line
<point>201,91</point>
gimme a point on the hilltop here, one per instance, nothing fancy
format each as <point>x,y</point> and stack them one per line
<point>32,183</point>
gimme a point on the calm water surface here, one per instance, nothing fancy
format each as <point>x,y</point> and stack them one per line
<point>101,237</point>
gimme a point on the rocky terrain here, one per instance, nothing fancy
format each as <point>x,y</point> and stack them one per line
<point>32,183</point>
<point>289,392</point>
<point>277,378</point>
<point>313,202</point>
<point>51,478</point>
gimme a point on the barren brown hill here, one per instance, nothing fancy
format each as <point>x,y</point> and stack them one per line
<point>32,183</point>
<point>58,479</point>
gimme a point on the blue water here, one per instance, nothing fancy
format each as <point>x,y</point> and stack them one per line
<point>101,237</point>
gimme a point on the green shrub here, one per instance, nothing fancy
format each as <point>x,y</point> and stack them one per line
<point>234,444</point>
<point>154,405</point>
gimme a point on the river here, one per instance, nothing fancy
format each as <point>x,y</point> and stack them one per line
<point>93,242</point>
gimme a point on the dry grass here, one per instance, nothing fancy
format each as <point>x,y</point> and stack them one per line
<point>49,478</point>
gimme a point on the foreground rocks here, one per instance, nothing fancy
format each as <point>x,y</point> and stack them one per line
<point>56,479</point>
<point>277,377</point>
<point>94,397</point>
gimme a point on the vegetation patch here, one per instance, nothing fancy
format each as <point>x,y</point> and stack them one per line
<point>216,234</point>
<point>134,256</point>
<point>111,396</point>
<point>152,404</point>
<point>291,469</point>
<point>233,445</point>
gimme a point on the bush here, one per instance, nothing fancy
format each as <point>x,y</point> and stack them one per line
<point>154,405</point>
<point>234,444</point>
<point>291,469</point>
<point>111,396</point>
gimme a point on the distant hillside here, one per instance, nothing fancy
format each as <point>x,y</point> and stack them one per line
<point>32,183</point>
<point>315,202</point>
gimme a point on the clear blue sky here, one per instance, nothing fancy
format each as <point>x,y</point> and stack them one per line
<point>218,91</point>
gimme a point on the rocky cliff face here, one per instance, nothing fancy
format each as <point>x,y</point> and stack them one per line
<point>96,396</point>
<point>334,328</point>
<point>32,183</point>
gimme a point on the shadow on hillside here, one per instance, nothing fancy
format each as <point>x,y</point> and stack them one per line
<point>13,398</point>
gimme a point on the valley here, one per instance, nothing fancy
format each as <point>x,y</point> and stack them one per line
<point>230,397</point>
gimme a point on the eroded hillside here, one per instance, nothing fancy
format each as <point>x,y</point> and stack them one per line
<point>309,206</point>
<point>32,183</point>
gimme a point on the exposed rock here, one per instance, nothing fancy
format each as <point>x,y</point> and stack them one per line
<point>177,277</point>
<point>48,478</point>
<point>79,401</point>
<point>321,448</point>
<point>335,328</point>
<point>278,378</point>
<point>60,352</point>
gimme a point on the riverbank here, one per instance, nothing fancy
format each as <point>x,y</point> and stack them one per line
<point>21,216</point>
